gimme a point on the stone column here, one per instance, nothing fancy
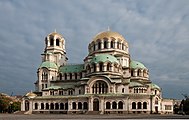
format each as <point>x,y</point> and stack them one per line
<point>90,104</point>
<point>23,105</point>
<point>108,44</point>
<point>102,44</point>
<point>102,105</point>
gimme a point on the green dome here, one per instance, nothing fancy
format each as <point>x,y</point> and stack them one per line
<point>154,86</point>
<point>48,64</point>
<point>136,64</point>
<point>104,58</point>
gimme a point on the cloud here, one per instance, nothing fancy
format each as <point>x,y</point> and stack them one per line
<point>157,33</point>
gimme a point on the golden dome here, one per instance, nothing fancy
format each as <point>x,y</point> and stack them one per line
<point>30,95</point>
<point>55,34</point>
<point>108,34</point>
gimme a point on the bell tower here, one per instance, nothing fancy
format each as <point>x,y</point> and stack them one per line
<point>55,49</point>
<point>53,57</point>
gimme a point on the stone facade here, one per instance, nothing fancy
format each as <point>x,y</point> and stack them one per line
<point>108,81</point>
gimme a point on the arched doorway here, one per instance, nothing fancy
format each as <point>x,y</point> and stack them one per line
<point>27,105</point>
<point>95,105</point>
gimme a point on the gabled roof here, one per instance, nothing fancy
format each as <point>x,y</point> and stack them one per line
<point>71,68</point>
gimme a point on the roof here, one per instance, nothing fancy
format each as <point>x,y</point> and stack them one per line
<point>154,86</point>
<point>65,86</point>
<point>108,34</point>
<point>48,64</point>
<point>104,58</point>
<point>71,68</point>
<point>55,33</point>
<point>30,95</point>
<point>135,84</point>
<point>136,64</point>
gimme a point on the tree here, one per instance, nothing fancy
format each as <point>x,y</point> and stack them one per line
<point>4,103</point>
<point>185,105</point>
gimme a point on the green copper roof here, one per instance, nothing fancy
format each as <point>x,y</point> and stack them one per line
<point>48,64</point>
<point>154,86</point>
<point>71,68</point>
<point>135,84</point>
<point>136,64</point>
<point>66,86</point>
<point>104,58</point>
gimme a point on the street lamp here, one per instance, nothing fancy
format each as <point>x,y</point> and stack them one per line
<point>11,106</point>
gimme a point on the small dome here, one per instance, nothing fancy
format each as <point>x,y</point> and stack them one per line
<point>48,64</point>
<point>55,34</point>
<point>108,34</point>
<point>136,64</point>
<point>30,95</point>
<point>154,86</point>
<point>104,58</point>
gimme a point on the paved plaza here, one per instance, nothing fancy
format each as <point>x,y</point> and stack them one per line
<point>87,117</point>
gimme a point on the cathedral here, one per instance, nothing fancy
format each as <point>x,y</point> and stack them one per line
<point>108,82</point>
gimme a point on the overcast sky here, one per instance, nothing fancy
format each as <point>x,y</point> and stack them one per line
<point>157,32</point>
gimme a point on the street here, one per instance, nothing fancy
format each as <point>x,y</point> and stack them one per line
<point>84,117</point>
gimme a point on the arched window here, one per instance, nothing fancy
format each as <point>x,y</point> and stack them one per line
<point>79,105</point>
<point>88,69</point>
<point>57,42</point>
<point>70,92</point>
<point>123,90</point>
<point>52,106</point>
<point>70,74</point>
<point>133,105</point>
<point>56,106</point>
<point>99,45</point>
<point>61,92</point>
<point>156,101</point>
<point>60,75</point>
<point>123,46</point>
<point>79,91</point>
<point>73,105</point>
<point>114,105</point>
<point>132,72</point>
<point>61,106</point>
<point>75,74</point>
<point>93,47</point>
<point>107,105</point>
<point>47,106</point>
<point>118,45</point>
<point>108,66</point>
<point>36,105</point>
<point>100,87</point>
<point>44,75</point>
<point>138,72</point>
<point>101,66</point>
<point>51,42</point>
<point>42,106</point>
<point>80,74</point>
<point>105,44</point>
<point>139,105</point>
<point>85,105</point>
<point>65,76</point>
<point>94,67</point>
<point>66,106</point>
<point>120,105</point>
<point>144,105</point>
<point>112,44</point>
